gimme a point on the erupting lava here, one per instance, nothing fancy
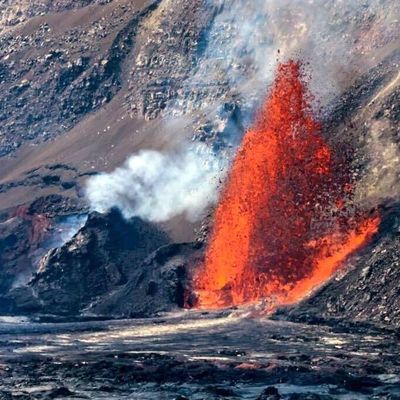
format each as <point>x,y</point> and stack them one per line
<point>282,226</point>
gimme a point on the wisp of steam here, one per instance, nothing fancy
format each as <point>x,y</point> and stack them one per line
<point>158,187</point>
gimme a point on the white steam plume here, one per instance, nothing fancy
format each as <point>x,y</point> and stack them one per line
<point>158,187</point>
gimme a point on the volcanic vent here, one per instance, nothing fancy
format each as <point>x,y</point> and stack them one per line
<point>286,221</point>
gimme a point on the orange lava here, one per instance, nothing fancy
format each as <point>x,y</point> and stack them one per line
<point>282,226</point>
<point>40,223</point>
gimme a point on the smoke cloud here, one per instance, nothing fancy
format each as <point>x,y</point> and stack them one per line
<point>338,38</point>
<point>158,187</point>
<point>382,180</point>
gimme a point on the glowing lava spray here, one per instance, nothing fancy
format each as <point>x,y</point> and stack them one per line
<point>282,226</point>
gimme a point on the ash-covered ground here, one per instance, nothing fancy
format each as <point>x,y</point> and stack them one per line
<point>196,356</point>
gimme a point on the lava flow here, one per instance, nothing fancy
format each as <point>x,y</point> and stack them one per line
<point>283,225</point>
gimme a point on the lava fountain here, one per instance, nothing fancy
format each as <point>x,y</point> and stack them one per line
<point>283,225</point>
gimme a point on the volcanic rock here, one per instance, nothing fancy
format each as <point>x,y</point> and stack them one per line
<point>60,392</point>
<point>14,249</point>
<point>25,233</point>
<point>369,292</point>
<point>73,73</point>
<point>102,256</point>
<point>161,283</point>
<point>55,205</point>
<point>309,396</point>
<point>270,393</point>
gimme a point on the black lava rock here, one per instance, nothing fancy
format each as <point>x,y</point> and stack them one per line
<point>270,393</point>
<point>101,257</point>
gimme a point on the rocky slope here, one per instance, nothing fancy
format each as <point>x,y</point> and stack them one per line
<point>367,294</point>
<point>54,75</point>
<point>22,10</point>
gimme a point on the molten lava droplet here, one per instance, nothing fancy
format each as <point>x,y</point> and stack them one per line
<point>281,227</point>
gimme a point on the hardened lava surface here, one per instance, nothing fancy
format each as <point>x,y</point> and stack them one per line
<point>195,356</point>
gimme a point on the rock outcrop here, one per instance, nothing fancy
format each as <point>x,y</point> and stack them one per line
<point>26,232</point>
<point>101,257</point>
<point>161,283</point>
